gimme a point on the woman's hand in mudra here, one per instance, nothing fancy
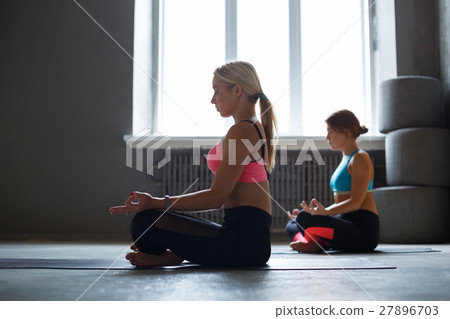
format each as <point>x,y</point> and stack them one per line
<point>144,202</point>
<point>294,213</point>
<point>314,208</point>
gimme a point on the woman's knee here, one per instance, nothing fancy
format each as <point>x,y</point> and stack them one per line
<point>298,225</point>
<point>303,218</point>
<point>292,228</point>
<point>141,222</point>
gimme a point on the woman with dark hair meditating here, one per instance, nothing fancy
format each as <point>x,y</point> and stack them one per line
<point>351,223</point>
<point>240,186</point>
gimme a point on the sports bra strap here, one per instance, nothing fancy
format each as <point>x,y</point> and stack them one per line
<point>351,155</point>
<point>260,136</point>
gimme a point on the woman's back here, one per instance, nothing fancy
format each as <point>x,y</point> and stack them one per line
<point>253,190</point>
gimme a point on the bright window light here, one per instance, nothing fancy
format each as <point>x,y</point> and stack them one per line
<point>331,58</point>
<point>192,48</point>
<point>332,62</point>
<point>263,40</point>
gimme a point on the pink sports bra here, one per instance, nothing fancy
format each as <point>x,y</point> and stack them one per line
<point>253,172</point>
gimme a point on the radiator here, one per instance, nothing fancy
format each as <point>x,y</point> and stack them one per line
<point>289,184</point>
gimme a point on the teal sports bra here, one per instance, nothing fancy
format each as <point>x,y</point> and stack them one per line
<point>341,180</point>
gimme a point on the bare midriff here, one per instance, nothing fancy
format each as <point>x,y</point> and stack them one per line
<point>250,194</point>
<point>367,204</point>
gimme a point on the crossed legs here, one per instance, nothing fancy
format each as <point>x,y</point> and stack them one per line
<point>169,239</point>
<point>311,234</point>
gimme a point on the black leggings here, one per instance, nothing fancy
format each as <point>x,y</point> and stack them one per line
<point>354,231</point>
<point>243,239</point>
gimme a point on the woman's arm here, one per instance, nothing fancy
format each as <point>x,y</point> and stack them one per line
<point>360,169</point>
<point>227,175</point>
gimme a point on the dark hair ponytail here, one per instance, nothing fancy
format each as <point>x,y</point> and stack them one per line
<point>363,130</point>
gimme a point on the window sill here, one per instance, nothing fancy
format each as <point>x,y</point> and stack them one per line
<point>368,143</point>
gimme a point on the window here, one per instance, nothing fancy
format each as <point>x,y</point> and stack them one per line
<point>311,56</point>
<point>192,47</point>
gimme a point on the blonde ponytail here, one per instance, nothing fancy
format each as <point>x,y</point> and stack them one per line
<point>269,122</point>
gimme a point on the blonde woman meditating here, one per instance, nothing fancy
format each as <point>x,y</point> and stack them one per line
<point>240,163</point>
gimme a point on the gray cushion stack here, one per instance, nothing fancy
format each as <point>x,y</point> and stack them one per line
<point>415,206</point>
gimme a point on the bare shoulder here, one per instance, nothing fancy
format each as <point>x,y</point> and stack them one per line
<point>240,130</point>
<point>361,159</point>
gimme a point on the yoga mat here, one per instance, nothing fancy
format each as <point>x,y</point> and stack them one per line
<point>324,263</point>
<point>402,250</point>
<point>384,250</point>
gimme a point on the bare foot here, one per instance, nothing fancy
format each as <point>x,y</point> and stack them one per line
<point>133,247</point>
<point>140,259</point>
<point>304,247</point>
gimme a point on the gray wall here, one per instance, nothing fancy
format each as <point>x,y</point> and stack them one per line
<point>444,45</point>
<point>65,105</point>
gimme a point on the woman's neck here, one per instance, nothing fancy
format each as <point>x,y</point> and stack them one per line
<point>349,147</point>
<point>245,112</point>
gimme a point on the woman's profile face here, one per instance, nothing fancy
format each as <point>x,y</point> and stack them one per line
<point>335,139</point>
<point>223,98</point>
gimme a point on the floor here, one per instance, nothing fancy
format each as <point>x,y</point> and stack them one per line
<point>418,276</point>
